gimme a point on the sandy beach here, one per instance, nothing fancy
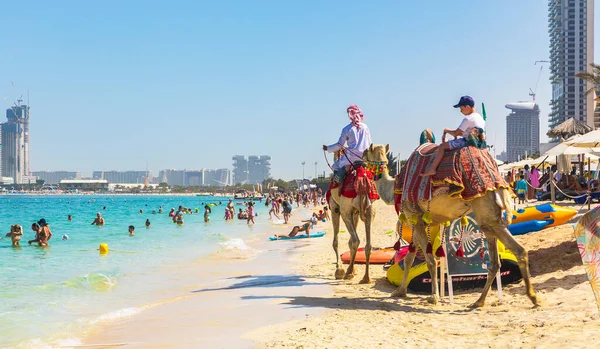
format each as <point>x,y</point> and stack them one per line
<point>291,300</point>
<point>365,316</point>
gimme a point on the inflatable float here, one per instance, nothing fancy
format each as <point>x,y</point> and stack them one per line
<point>419,279</point>
<point>378,255</point>
<point>555,215</point>
<point>303,236</point>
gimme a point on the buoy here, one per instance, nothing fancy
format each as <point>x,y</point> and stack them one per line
<point>103,248</point>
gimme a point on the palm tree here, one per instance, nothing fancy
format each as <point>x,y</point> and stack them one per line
<point>593,77</point>
<point>392,163</point>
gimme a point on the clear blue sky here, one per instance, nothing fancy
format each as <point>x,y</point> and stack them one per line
<point>116,84</point>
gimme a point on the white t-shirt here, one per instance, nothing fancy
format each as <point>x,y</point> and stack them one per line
<point>471,121</point>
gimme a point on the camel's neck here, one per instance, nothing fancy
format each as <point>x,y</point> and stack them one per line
<point>385,188</point>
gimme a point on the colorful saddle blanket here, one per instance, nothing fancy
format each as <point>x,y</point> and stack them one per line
<point>466,173</point>
<point>359,182</point>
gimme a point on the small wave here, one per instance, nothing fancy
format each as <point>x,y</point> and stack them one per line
<point>235,244</point>
<point>93,281</point>
<point>117,314</point>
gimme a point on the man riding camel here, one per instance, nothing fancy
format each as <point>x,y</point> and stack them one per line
<point>357,137</point>
<point>472,120</point>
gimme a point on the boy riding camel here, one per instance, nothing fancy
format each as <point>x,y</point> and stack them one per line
<point>471,121</point>
<point>358,137</point>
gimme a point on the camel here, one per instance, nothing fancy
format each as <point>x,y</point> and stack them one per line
<point>350,210</point>
<point>488,214</point>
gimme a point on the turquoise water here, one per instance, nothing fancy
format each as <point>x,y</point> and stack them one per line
<point>50,293</point>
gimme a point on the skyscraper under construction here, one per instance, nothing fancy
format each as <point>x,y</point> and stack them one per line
<point>15,143</point>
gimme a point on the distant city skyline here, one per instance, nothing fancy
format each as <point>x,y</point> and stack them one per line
<point>118,85</point>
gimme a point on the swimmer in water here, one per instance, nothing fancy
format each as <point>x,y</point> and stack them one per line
<point>16,231</point>
<point>131,230</point>
<point>99,221</point>
<point>179,218</point>
<point>65,237</point>
<point>141,211</point>
<point>147,223</point>
<point>207,212</point>
<point>160,210</point>
<point>69,218</point>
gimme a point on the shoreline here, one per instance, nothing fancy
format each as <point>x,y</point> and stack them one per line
<point>236,297</point>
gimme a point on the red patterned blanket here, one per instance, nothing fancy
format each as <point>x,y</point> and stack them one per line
<point>359,182</point>
<point>466,173</point>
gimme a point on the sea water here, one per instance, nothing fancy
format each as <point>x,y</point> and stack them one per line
<point>49,294</point>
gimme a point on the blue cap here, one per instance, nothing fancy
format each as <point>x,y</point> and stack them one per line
<point>464,101</point>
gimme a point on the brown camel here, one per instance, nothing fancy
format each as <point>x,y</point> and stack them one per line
<point>351,210</point>
<point>488,214</point>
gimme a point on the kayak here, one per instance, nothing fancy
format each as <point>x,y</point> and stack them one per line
<point>303,236</point>
<point>378,255</point>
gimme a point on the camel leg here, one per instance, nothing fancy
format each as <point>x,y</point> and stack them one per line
<point>401,291</point>
<point>349,218</point>
<point>503,234</point>
<point>488,214</point>
<point>492,271</point>
<point>335,220</point>
<point>420,236</point>
<point>368,219</point>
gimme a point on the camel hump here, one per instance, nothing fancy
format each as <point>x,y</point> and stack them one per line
<point>469,172</point>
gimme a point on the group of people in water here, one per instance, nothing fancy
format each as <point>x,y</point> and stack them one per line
<point>41,229</point>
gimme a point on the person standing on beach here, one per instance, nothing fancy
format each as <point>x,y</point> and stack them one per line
<point>99,221</point>
<point>357,137</point>
<point>287,211</point>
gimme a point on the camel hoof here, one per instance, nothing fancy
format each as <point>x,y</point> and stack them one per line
<point>399,293</point>
<point>536,301</point>
<point>339,274</point>
<point>365,280</point>
<point>478,304</point>
<point>433,300</point>
<point>349,276</point>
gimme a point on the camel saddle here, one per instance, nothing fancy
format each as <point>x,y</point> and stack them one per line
<point>466,173</point>
<point>356,182</point>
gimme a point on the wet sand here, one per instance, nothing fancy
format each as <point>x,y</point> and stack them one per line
<point>221,299</point>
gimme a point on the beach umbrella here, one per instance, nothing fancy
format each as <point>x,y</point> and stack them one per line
<point>588,140</point>
<point>569,128</point>
<point>499,162</point>
<point>566,149</point>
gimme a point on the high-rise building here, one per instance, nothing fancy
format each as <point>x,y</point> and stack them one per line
<point>15,143</point>
<point>259,168</point>
<point>123,177</point>
<point>218,177</point>
<point>54,177</point>
<point>571,28</point>
<point>240,169</point>
<point>203,177</point>
<point>172,177</point>
<point>253,170</point>
<point>522,130</point>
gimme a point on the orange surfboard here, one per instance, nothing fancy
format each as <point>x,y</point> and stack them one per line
<point>378,255</point>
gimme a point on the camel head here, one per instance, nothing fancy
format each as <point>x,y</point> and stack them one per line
<point>376,153</point>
